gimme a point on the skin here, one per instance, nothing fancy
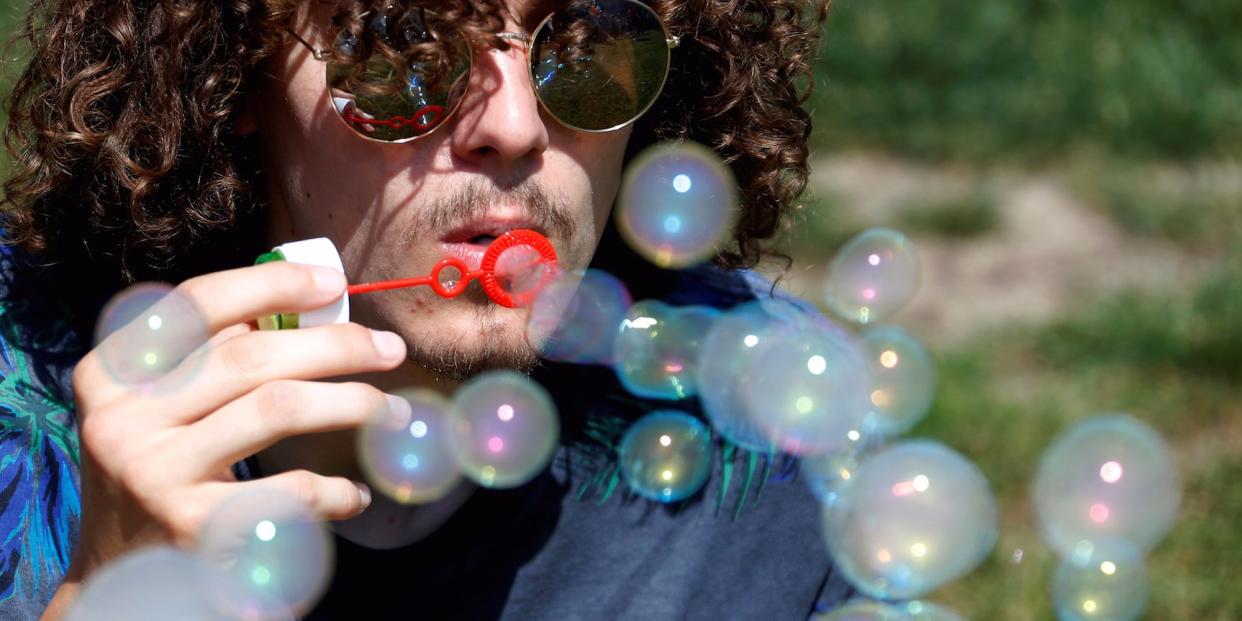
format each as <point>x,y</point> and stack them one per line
<point>155,461</point>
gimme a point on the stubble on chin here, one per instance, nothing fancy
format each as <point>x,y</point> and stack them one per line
<point>494,346</point>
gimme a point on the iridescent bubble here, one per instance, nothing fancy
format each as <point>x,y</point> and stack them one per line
<point>666,455</point>
<point>411,464</point>
<point>505,428</point>
<point>872,276</point>
<point>520,269</point>
<point>678,204</point>
<point>576,317</point>
<point>916,515</point>
<point>1107,476</point>
<point>155,584</point>
<point>658,346</point>
<point>1101,581</point>
<point>903,379</point>
<point>146,331</point>
<point>808,388</point>
<point>723,372</point>
<point>862,610</point>
<point>829,475</point>
<point>280,553</point>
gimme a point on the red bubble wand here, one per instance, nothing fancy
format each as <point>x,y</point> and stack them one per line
<point>486,273</point>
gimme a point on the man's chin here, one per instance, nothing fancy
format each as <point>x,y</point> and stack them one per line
<point>461,352</point>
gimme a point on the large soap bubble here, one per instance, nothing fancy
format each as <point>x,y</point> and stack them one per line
<point>411,464</point>
<point>505,428</point>
<point>873,276</point>
<point>666,455</point>
<point>657,348</point>
<point>1108,476</point>
<point>677,205</point>
<point>1101,581</point>
<point>808,388</point>
<point>576,317</point>
<point>146,331</point>
<point>915,516</point>
<point>272,544</point>
<point>156,584</point>
<point>903,379</point>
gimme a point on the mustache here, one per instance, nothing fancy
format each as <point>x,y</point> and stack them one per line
<point>473,201</point>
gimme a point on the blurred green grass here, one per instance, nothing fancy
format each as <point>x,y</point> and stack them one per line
<point>1031,79</point>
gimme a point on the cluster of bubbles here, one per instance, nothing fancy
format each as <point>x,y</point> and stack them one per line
<point>1106,493</point>
<point>499,430</point>
<point>146,334</point>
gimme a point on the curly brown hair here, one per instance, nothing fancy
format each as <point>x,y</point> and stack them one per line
<point>128,165</point>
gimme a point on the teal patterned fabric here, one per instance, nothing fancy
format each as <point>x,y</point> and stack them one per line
<point>39,494</point>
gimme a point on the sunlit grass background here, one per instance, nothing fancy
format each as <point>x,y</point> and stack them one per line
<point>1127,116</point>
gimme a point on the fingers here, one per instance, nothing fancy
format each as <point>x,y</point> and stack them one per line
<point>218,301</point>
<point>331,498</point>
<point>241,364</point>
<point>286,408</point>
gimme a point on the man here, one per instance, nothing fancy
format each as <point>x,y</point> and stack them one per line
<point>171,141</point>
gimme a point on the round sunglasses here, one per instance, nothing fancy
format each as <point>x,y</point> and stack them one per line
<point>595,66</point>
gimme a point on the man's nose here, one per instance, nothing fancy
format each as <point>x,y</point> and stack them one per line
<point>498,123</point>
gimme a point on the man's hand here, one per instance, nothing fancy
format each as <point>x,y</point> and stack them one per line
<point>156,460</point>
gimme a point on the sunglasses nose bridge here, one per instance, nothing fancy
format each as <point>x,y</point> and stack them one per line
<point>499,114</point>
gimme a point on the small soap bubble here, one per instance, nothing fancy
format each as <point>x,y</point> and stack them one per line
<point>873,276</point>
<point>520,269</point>
<point>725,365</point>
<point>281,554</point>
<point>926,611</point>
<point>1101,581</point>
<point>155,584</point>
<point>576,317</point>
<point>146,331</point>
<point>657,348</point>
<point>1107,476</point>
<point>504,429</point>
<point>411,464</point>
<point>915,516</point>
<point>903,379</point>
<point>677,205</point>
<point>808,388</point>
<point>666,455</point>
<point>862,610</point>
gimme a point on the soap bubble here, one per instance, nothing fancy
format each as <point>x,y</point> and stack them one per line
<point>413,463</point>
<point>666,455</point>
<point>1104,580</point>
<point>862,610</point>
<point>873,276</point>
<point>1107,476</point>
<point>520,269</point>
<point>678,203</point>
<point>808,388</point>
<point>146,331</point>
<point>657,348</point>
<point>576,317</point>
<point>275,547</point>
<point>155,584</point>
<point>505,428</point>
<point>829,475</point>
<point>916,515</point>
<point>927,611</point>
<point>726,359</point>
<point>903,379</point>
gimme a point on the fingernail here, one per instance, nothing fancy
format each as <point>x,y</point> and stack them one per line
<point>399,411</point>
<point>328,281</point>
<point>365,492</point>
<point>389,345</point>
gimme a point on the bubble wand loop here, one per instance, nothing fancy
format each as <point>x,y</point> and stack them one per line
<point>486,273</point>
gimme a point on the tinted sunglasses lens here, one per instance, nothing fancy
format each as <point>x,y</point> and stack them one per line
<point>380,101</point>
<point>600,64</point>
